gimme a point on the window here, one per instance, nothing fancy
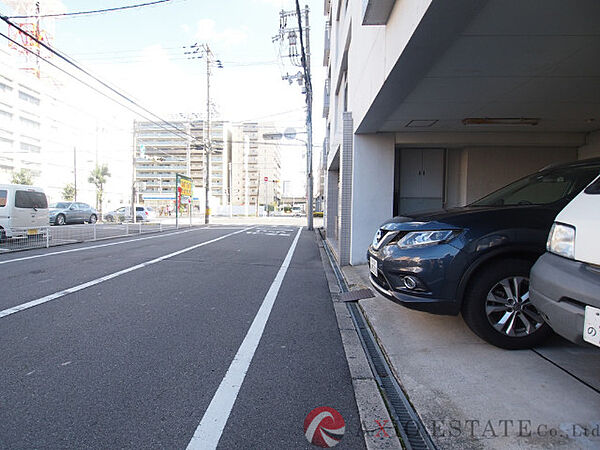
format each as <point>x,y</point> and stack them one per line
<point>542,188</point>
<point>30,199</point>
<point>60,205</point>
<point>5,87</point>
<point>30,147</point>
<point>28,123</point>
<point>3,196</point>
<point>29,98</point>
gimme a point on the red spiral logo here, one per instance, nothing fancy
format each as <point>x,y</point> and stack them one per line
<point>324,427</point>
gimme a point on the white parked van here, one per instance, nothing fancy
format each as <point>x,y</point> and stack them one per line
<point>565,281</point>
<point>23,211</point>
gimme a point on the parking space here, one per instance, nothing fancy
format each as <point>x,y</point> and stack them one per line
<point>473,395</point>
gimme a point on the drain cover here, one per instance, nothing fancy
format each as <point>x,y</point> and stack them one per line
<point>352,296</point>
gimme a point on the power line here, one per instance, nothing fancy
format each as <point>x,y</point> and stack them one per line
<point>78,67</point>
<point>81,13</point>
<point>99,91</point>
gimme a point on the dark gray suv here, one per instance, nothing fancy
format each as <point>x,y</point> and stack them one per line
<point>476,260</point>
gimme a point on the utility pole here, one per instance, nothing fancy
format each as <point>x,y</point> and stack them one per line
<point>132,173</point>
<point>75,173</point>
<point>246,177</point>
<point>198,51</point>
<point>303,33</point>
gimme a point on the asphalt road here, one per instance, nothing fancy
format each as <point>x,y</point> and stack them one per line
<point>147,332</point>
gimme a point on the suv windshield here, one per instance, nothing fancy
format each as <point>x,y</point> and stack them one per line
<point>542,188</point>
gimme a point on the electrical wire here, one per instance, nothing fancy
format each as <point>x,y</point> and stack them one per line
<point>98,91</point>
<point>86,72</point>
<point>96,11</point>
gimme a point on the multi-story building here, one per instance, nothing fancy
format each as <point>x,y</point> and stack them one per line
<point>255,166</point>
<point>57,140</point>
<point>163,151</point>
<point>433,103</point>
<point>240,161</point>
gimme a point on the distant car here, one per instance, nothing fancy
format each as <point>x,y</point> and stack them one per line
<point>62,213</point>
<point>123,214</point>
<point>565,281</point>
<point>23,211</point>
<point>476,260</point>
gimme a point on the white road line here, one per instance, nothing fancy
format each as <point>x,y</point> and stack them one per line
<point>56,295</point>
<point>211,427</point>
<point>80,249</point>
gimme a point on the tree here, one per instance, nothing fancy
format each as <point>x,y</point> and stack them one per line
<point>23,176</point>
<point>98,177</point>
<point>68,192</point>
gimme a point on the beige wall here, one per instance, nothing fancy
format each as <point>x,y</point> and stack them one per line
<point>490,168</point>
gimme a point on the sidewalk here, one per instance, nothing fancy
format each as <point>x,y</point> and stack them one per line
<point>473,395</point>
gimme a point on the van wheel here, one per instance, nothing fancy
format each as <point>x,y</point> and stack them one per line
<point>60,220</point>
<point>498,309</point>
<point>3,238</point>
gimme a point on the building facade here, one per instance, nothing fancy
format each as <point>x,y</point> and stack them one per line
<point>47,131</point>
<point>244,167</point>
<point>433,104</point>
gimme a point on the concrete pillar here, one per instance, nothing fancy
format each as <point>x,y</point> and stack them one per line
<point>345,196</point>
<point>372,190</point>
<point>331,206</point>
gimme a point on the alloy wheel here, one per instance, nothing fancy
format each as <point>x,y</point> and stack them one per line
<point>509,309</point>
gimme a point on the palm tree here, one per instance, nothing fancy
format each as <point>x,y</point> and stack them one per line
<point>98,177</point>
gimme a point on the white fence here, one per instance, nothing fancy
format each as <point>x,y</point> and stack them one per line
<point>43,237</point>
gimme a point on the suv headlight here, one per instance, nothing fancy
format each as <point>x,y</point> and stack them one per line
<point>561,240</point>
<point>424,238</point>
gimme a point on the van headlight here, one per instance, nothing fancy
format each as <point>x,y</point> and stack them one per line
<point>561,240</point>
<point>424,238</point>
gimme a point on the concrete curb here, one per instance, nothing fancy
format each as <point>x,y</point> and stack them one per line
<point>376,424</point>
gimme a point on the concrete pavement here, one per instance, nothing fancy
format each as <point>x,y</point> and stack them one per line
<point>473,395</point>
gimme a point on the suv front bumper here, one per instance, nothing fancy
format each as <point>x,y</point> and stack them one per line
<point>560,288</point>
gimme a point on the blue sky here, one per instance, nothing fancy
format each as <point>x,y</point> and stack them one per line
<point>141,52</point>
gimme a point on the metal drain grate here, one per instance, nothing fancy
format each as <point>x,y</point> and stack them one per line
<point>409,424</point>
<point>352,296</point>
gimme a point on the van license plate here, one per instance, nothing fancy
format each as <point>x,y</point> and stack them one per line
<point>32,232</point>
<point>373,266</point>
<point>591,325</point>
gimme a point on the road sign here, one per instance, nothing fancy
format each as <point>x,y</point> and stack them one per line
<point>266,178</point>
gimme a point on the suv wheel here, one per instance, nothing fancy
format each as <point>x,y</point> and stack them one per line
<point>497,306</point>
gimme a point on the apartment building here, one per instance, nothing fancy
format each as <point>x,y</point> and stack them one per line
<point>432,104</point>
<point>244,166</point>
<point>59,141</point>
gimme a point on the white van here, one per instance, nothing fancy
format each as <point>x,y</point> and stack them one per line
<point>565,281</point>
<point>23,211</point>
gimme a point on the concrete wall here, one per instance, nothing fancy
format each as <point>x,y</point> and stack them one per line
<point>375,50</point>
<point>490,168</point>
<point>372,190</point>
<point>591,149</point>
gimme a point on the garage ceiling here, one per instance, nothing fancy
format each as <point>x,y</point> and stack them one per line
<point>496,59</point>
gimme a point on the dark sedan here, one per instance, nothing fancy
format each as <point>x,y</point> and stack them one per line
<point>62,213</point>
<point>475,260</point>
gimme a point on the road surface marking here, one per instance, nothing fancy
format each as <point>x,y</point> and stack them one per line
<point>61,252</point>
<point>211,427</point>
<point>57,295</point>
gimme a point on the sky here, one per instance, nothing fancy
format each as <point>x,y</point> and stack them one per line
<point>141,52</point>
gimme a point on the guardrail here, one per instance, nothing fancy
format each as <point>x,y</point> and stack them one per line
<point>48,236</point>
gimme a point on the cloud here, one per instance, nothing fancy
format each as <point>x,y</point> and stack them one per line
<point>207,31</point>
